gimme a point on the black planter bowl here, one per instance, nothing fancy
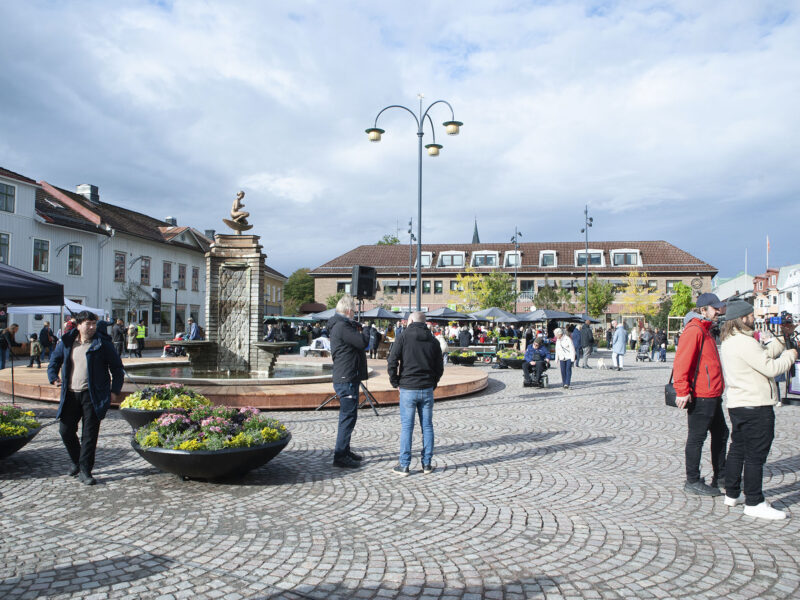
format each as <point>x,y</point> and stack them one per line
<point>211,464</point>
<point>514,363</point>
<point>10,445</point>
<point>463,360</point>
<point>137,417</point>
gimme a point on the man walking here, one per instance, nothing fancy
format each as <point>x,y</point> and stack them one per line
<point>85,359</point>
<point>587,342</point>
<point>415,367</point>
<point>47,339</point>
<point>348,350</point>
<point>699,385</point>
<point>575,335</point>
<point>118,336</point>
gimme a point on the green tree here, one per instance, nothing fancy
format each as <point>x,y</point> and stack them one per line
<point>388,240</point>
<point>600,294</point>
<point>565,300</point>
<point>547,297</point>
<point>477,291</point>
<point>682,301</point>
<point>660,319</point>
<point>299,288</point>
<point>638,297</point>
<point>331,301</point>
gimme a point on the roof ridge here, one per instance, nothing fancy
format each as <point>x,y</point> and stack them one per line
<point>71,203</point>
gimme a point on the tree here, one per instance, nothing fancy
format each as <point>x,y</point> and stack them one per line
<point>682,301</point>
<point>133,295</point>
<point>388,240</point>
<point>299,288</point>
<point>478,291</point>
<point>547,297</point>
<point>600,294</point>
<point>660,319</point>
<point>331,301</point>
<point>638,297</point>
<point>565,300</point>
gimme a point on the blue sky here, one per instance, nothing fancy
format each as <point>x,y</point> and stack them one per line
<point>672,120</point>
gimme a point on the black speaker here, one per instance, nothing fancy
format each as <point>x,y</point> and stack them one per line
<point>363,282</point>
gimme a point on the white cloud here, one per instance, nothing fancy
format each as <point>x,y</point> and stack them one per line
<point>296,187</point>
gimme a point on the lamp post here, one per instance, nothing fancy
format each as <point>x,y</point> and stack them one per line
<point>411,239</point>
<point>515,241</point>
<point>175,284</point>
<point>451,128</point>
<point>587,222</point>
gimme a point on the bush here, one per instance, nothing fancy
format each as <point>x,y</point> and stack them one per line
<point>15,422</point>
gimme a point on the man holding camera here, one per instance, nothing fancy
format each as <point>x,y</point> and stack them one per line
<point>348,350</point>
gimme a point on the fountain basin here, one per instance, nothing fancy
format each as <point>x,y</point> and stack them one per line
<point>288,373</point>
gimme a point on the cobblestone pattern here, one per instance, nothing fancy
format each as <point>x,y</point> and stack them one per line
<point>536,494</point>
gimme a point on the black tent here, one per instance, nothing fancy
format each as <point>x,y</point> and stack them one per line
<point>21,288</point>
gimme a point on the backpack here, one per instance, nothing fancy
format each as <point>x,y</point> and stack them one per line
<point>201,332</point>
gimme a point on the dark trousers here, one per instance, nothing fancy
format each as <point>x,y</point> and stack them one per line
<point>77,406</point>
<point>37,358</point>
<point>752,432</point>
<point>119,347</point>
<point>566,371</point>
<point>538,368</point>
<point>348,414</point>
<point>705,415</point>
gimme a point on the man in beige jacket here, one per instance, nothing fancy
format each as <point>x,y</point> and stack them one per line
<point>750,370</point>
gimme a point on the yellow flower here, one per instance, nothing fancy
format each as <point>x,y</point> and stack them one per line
<point>240,440</point>
<point>191,445</point>
<point>151,440</point>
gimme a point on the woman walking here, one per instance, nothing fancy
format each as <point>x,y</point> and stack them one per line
<point>750,369</point>
<point>565,355</point>
<point>133,343</point>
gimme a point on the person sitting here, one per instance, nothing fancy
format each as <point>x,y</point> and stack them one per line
<point>537,359</point>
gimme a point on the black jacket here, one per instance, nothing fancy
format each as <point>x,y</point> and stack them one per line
<point>348,346</point>
<point>587,337</point>
<point>415,362</point>
<point>464,338</point>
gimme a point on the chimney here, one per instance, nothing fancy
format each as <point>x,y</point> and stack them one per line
<point>210,233</point>
<point>88,191</point>
<point>172,221</point>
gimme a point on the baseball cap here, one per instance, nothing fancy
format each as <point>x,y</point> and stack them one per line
<point>708,299</point>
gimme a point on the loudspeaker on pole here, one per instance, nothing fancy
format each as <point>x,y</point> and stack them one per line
<point>363,283</point>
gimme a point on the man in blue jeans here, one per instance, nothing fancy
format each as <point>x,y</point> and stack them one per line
<point>348,350</point>
<point>415,367</point>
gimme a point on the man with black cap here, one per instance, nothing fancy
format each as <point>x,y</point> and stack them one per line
<point>699,385</point>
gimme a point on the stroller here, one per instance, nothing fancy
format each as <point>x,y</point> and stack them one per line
<point>174,350</point>
<point>643,351</point>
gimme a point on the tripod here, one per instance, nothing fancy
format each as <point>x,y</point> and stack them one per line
<point>368,397</point>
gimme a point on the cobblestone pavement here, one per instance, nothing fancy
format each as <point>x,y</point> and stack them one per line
<point>536,493</point>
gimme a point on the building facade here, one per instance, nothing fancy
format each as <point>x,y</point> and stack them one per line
<point>765,295</point>
<point>273,291</point>
<point>533,265</point>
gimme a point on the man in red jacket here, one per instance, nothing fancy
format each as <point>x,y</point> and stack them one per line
<point>699,385</point>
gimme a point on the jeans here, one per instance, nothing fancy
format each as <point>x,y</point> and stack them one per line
<point>418,402</point>
<point>566,371</point>
<point>618,360</point>
<point>77,406</point>
<point>752,432</point>
<point>348,393</point>
<point>5,357</point>
<point>705,415</point>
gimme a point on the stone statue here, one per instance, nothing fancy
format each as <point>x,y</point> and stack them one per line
<point>238,220</point>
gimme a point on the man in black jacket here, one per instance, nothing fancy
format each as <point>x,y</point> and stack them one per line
<point>415,366</point>
<point>348,346</point>
<point>587,342</point>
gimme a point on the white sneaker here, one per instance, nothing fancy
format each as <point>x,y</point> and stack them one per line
<point>734,501</point>
<point>764,511</point>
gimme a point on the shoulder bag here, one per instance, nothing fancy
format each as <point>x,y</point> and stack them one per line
<point>670,396</point>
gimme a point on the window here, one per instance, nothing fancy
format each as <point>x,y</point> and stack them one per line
<point>438,287</point>
<point>75,260</point>
<point>194,312</point>
<point>788,296</point>
<point>547,258</point>
<point>671,283</point>
<point>179,317</point>
<point>41,255</point>
<point>5,242</point>
<point>119,266</point>
<point>278,294</point>
<point>7,195</point>
<point>267,294</point>
<point>451,259</point>
<point>774,300</point>
<point>166,318</point>
<point>595,259</point>
<point>181,277</point>
<point>625,257</point>
<point>652,284</point>
<point>426,287</point>
<point>455,287</point>
<point>166,275</point>
<point>195,279</point>
<point>772,280</point>
<point>484,259</point>
<point>344,286</point>
<point>546,283</point>
<point>512,259</point>
<point>760,285</point>
<point>144,271</point>
<point>526,285</point>
<point>426,259</point>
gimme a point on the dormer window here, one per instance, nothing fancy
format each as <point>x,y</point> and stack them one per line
<point>451,259</point>
<point>625,257</point>
<point>595,258</point>
<point>512,259</point>
<point>426,259</point>
<point>485,259</point>
<point>547,258</point>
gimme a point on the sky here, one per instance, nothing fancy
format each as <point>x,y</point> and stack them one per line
<point>673,120</point>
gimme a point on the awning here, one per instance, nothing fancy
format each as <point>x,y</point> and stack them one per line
<point>390,282</point>
<point>21,287</point>
<point>547,283</point>
<point>55,309</point>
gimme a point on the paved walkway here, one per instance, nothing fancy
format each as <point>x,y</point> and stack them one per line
<point>540,494</point>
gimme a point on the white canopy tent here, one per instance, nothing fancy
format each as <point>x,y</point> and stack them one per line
<point>55,309</point>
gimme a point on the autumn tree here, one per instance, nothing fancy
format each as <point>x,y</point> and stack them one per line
<point>477,291</point>
<point>638,297</point>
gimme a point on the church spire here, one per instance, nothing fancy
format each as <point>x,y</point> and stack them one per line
<point>475,237</point>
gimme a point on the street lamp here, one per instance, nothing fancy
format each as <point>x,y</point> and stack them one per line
<point>587,222</point>
<point>175,284</point>
<point>411,239</point>
<point>515,241</point>
<point>452,127</point>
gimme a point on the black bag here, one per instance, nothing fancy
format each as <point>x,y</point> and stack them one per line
<point>670,395</point>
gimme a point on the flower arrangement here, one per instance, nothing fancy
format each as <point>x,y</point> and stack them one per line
<point>510,353</point>
<point>169,396</point>
<point>211,428</point>
<point>15,422</point>
<point>464,353</point>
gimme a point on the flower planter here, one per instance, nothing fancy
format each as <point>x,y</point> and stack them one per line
<point>137,417</point>
<point>211,464</point>
<point>462,360</point>
<point>514,363</point>
<point>10,445</point>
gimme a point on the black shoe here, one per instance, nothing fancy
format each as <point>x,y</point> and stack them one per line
<point>86,479</point>
<point>74,470</point>
<point>527,384</point>
<point>716,483</point>
<point>427,469</point>
<point>354,456</point>
<point>346,462</point>
<point>402,471</point>
<point>701,488</point>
